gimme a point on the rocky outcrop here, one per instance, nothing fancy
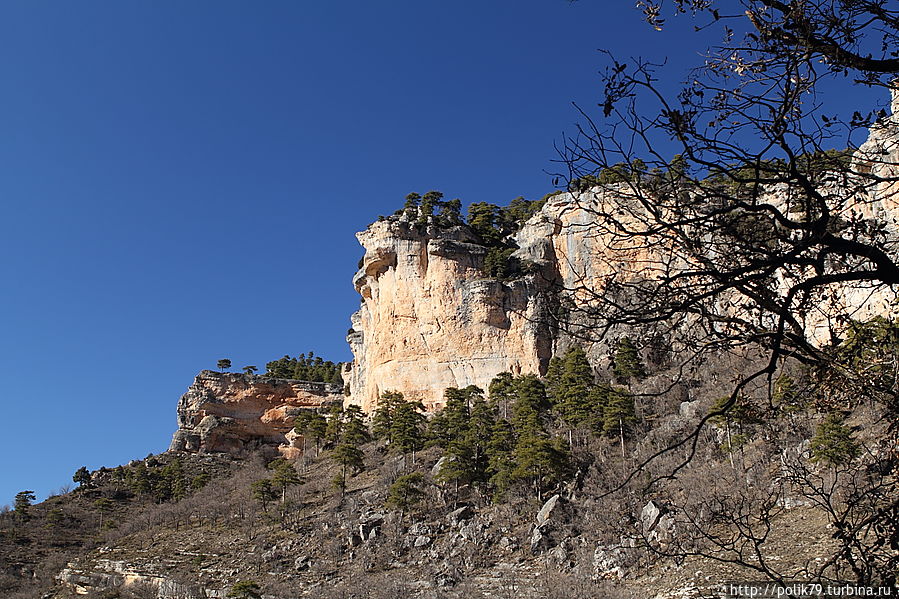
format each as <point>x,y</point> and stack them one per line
<point>430,319</point>
<point>234,413</point>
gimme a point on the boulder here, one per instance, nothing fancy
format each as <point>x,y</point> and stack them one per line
<point>546,511</point>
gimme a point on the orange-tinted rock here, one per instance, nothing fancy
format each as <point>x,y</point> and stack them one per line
<point>235,413</point>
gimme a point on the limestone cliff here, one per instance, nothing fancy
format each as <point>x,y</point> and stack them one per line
<point>430,319</point>
<point>225,412</point>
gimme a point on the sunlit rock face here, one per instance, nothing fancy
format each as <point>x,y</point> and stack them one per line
<point>430,319</point>
<point>235,413</point>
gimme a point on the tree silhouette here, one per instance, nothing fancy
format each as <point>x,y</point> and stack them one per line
<point>765,231</point>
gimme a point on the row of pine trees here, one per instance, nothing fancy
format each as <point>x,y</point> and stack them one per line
<point>521,433</point>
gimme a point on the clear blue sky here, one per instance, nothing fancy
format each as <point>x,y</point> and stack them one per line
<point>182,181</point>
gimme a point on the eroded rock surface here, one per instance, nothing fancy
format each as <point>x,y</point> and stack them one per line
<point>234,413</point>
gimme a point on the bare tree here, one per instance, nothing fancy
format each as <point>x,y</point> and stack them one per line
<point>745,216</point>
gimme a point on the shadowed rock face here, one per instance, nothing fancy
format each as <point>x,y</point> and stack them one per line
<point>234,413</point>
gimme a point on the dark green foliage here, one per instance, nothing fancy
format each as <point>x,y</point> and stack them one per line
<point>223,364</point>
<point>311,425</point>
<point>103,506</point>
<point>622,172</point>
<point>627,364</point>
<point>519,211</point>
<point>382,419</point>
<point>306,367</point>
<point>162,483</point>
<point>531,404</point>
<point>351,434</point>
<point>264,492</point>
<point>499,263</point>
<point>500,463</point>
<point>467,453</point>
<point>334,425</point>
<point>870,348</point>
<point>786,396</point>
<point>284,476</point>
<point>619,415</point>
<point>502,393</point>
<point>170,483</point>
<point>429,202</point>
<point>573,381</point>
<point>82,476</point>
<point>494,224</point>
<point>139,480</point>
<point>833,443</point>
<point>452,421</point>
<point>483,219</point>
<point>245,589</point>
<point>487,451</point>
<point>431,208</point>
<point>411,206</point>
<point>407,430</point>
<point>406,492</point>
<point>399,422</point>
<point>450,213</point>
<point>22,505</point>
<point>249,369</point>
<point>541,460</point>
<point>199,481</point>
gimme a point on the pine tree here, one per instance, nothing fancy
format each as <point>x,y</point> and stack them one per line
<point>264,492</point>
<point>382,419</point>
<point>224,364</point>
<point>411,205</point>
<point>429,203</point>
<point>553,378</point>
<point>334,426</point>
<point>540,459</point>
<point>103,505</point>
<point>312,425</point>
<point>619,415</point>
<point>451,213</point>
<point>348,453</point>
<point>407,428</point>
<point>22,505</point>
<point>833,443</point>
<point>284,476</point>
<point>249,369</point>
<point>499,458</point>
<point>406,492</point>
<point>467,460</point>
<point>531,403</point>
<point>627,364</point>
<point>482,220</point>
<point>786,396</point>
<point>502,393</point>
<point>573,399</point>
<point>82,476</point>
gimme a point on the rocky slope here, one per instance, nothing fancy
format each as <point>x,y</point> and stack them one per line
<point>235,413</point>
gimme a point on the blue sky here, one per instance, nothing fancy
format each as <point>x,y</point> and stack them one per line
<point>182,181</point>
